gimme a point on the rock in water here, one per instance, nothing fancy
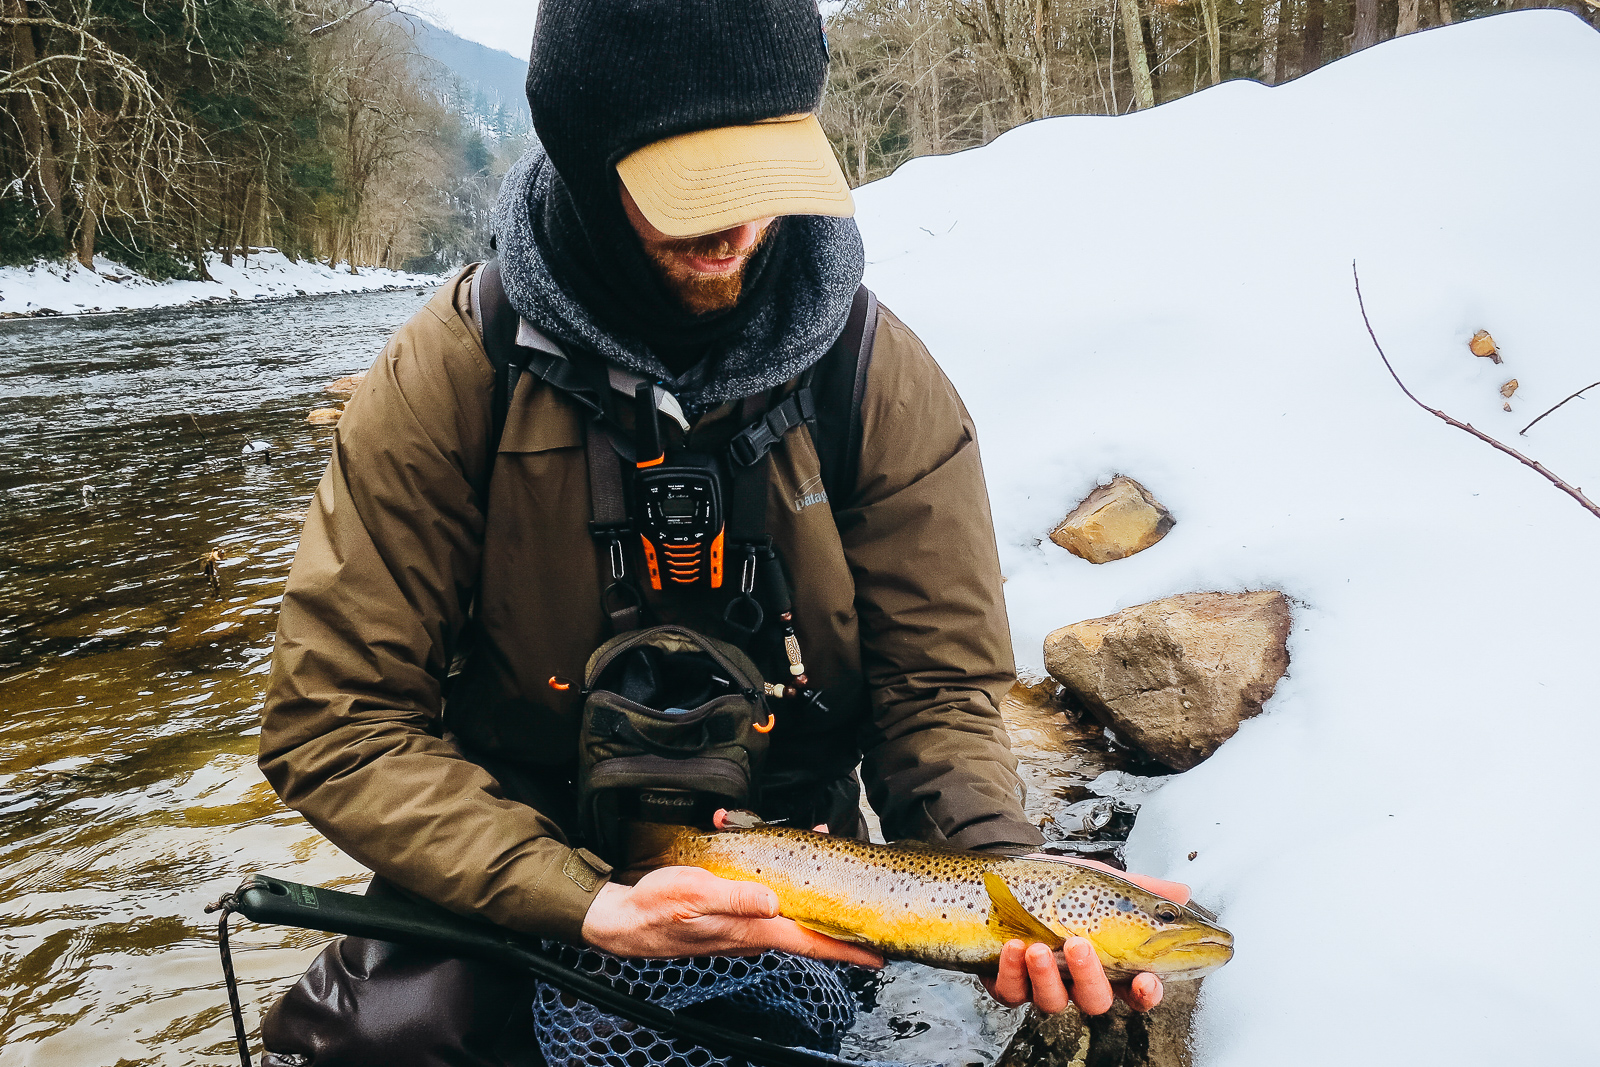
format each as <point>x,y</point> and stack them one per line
<point>1113,522</point>
<point>1176,676</point>
<point>345,386</point>
<point>324,416</point>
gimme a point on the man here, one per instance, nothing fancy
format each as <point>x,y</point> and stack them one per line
<point>684,223</point>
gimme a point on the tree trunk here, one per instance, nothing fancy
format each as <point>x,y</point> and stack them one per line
<point>1311,40</point>
<point>197,251</point>
<point>1286,67</point>
<point>1214,38</point>
<point>222,239</point>
<point>1043,59</point>
<point>1447,14</point>
<point>241,237</point>
<point>1366,32</point>
<point>1407,20</point>
<point>1144,94</point>
<point>1147,34</point>
<point>41,171</point>
<point>89,220</point>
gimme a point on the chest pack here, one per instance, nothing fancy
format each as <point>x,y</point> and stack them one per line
<point>675,722</point>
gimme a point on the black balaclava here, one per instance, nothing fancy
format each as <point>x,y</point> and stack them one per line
<point>607,77</point>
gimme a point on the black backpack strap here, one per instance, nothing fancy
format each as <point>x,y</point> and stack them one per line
<point>498,323</point>
<point>610,528</point>
<point>838,388</point>
<point>497,329</point>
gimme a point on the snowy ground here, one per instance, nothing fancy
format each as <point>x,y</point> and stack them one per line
<point>1404,844</point>
<point>68,288</point>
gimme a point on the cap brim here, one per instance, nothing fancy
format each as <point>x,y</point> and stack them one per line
<point>710,180</point>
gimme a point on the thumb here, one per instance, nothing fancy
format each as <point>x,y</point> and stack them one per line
<point>747,900</point>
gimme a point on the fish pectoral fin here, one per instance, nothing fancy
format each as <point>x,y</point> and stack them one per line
<point>838,933</point>
<point>1016,920</point>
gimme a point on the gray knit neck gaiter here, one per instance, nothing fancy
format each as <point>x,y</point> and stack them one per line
<point>793,326</point>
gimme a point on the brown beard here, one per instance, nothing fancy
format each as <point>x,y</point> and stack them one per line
<point>701,294</point>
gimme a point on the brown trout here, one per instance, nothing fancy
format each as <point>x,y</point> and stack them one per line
<point>947,908</point>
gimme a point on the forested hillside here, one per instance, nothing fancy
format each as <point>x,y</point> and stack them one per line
<point>917,77</point>
<point>160,131</point>
<point>156,131</point>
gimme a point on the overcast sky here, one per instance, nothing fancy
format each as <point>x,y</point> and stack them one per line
<point>503,24</point>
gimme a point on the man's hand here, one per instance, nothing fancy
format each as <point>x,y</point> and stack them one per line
<point>684,911</point>
<point>1033,972</point>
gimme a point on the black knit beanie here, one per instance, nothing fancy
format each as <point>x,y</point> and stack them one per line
<point>607,77</point>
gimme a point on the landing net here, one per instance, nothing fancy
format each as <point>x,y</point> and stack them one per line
<point>788,999</point>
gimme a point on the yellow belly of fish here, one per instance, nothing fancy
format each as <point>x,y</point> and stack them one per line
<point>929,924</point>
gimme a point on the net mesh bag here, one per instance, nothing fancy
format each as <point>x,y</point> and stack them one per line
<point>788,999</point>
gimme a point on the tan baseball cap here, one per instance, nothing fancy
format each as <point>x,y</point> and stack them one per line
<point>702,182</point>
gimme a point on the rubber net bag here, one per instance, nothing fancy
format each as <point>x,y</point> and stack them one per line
<point>783,998</point>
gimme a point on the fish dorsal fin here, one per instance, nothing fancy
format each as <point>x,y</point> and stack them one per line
<point>1016,920</point>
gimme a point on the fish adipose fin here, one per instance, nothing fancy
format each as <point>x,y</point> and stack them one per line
<point>1016,920</point>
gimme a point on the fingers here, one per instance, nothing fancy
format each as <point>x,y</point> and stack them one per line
<point>1173,891</point>
<point>1028,972</point>
<point>1049,992</point>
<point>1091,990</point>
<point>1143,993</point>
<point>1010,983</point>
<point>820,828</point>
<point>744,900</point>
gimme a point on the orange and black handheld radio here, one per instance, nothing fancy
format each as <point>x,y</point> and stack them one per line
<point>678,506</point>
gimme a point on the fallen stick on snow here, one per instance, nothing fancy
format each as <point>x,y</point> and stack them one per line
<point>1573,492</point>
<point>1574,396</point>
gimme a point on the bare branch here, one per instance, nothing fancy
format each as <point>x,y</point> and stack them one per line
<point>317,31</point>
<point>1574,396</point>
<point>1574,493</point>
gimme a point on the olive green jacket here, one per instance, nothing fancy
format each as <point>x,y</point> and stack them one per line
<point>409,562</point>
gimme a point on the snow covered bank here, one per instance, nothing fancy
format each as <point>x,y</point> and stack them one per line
<point>1404,842</point>
<point>68,288</point>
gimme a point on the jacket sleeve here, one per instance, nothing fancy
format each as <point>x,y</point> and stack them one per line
<point>379,591</point>
<point>936,645</point>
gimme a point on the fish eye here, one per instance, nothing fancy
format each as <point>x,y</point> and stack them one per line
<point>1167,912</point>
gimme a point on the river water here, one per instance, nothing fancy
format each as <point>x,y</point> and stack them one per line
<point>130,687</point>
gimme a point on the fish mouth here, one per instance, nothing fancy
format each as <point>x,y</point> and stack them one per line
<point>1183,954</point>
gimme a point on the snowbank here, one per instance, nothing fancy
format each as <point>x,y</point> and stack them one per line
<point>69,288</point>
<point>1404,843</point>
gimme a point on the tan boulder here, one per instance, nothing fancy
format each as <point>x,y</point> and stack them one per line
<point>1175,677</point>
<point>1113,522</point>
<point>324,416</point>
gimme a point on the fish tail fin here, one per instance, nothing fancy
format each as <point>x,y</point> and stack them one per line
<point>1015,920</point>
